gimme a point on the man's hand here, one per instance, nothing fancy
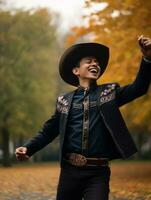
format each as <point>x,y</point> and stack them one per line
<point>145,45</point>
<point>21,153</point>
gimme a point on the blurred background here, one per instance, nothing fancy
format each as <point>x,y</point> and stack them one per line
<point>33,36</point>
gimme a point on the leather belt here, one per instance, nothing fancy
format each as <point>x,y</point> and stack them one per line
<point>80,160</point>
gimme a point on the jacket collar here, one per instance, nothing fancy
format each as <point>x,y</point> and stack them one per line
<point>91,87</point>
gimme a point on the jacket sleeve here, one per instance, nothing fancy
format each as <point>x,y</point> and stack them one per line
<point>138,88</point>
<point>47,134</point>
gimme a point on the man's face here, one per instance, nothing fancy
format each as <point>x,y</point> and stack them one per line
<point>88,69</point>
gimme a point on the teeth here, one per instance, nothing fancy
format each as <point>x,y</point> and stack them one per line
<point>93,70</point>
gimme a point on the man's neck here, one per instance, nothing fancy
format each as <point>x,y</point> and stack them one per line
<point>87,83</point>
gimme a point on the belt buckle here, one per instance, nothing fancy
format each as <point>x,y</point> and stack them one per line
<point>77,159</point>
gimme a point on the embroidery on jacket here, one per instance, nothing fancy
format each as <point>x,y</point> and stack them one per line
<point>108,94</point>
<point>62,105</point>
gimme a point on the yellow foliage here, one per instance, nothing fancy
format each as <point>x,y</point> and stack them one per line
<point>118,26</point>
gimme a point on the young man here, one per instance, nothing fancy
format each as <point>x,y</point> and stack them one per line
<point>92,130</point>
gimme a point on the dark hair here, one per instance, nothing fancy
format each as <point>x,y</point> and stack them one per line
<point>78,63</point>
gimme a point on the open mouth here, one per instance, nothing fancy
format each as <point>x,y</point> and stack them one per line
<point>93,70</point>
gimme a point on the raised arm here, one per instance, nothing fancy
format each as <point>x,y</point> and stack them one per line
<point>141,84</point>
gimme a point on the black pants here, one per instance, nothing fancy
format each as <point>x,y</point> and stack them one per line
<point>88,183</point>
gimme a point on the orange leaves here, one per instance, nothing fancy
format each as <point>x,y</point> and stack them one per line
<point>28,179</point>
<point>120,33</point>
<point>70,40</point>
<point>129,180</point>
<point>76,32</point>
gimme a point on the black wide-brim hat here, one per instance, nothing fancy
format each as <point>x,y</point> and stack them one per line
<point>75,53</point>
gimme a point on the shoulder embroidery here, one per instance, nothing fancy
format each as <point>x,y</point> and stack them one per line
<point>62,105</point>
<point>108,94</point>
<point>110,88</point>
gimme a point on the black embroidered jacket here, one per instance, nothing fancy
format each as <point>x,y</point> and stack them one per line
<point>110,97</point>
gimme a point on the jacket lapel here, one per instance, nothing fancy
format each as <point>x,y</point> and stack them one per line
<point>64,117</point>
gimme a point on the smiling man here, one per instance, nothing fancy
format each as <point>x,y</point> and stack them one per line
<point>92,130</point>
<point>87,71</point>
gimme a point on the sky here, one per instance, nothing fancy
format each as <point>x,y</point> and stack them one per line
<point>71,11</point>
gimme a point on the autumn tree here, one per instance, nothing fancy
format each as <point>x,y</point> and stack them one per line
<point>28,71</point>
<point>118,26</point>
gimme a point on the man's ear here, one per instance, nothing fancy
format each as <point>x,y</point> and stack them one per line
<point>75,71</point>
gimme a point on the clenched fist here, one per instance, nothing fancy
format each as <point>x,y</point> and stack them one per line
<point>21,153</point>
<point>145,45</point>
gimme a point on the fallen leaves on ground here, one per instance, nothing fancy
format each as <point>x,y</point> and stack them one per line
<point>129,180</point>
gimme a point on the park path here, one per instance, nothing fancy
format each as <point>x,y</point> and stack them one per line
<point>40,196</point>
<point>130,181</point>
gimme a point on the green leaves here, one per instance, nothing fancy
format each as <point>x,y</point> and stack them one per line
<point>28,71</point>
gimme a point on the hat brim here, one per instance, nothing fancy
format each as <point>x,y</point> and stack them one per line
<point>75,53</point>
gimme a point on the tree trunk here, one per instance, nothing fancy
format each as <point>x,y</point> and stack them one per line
<point>6,161</point>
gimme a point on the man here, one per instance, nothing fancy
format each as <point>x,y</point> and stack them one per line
<point>92,130</point>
